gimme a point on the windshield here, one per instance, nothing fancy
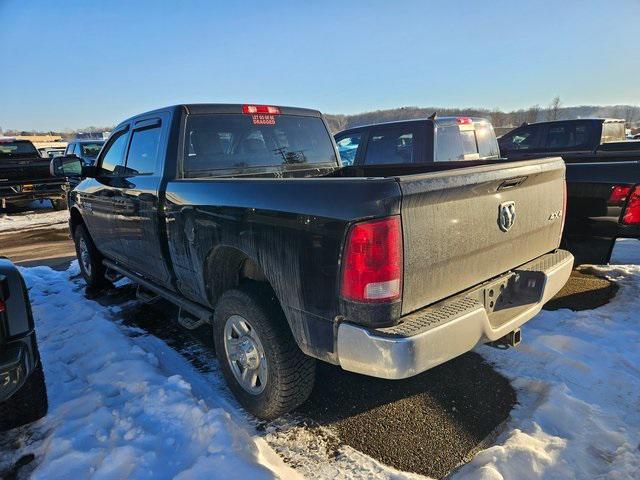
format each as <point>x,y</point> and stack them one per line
<point>17,149</point>
<point>237,142</point>
<point>91,149</point>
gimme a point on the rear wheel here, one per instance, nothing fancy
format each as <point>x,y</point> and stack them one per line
<point>89,259</point>
<point>27,405</point>
<point>263,365</point>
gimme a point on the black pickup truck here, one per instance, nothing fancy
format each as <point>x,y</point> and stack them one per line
<point>603,179</point>
<point>244,217</point>
<point>24,176</point>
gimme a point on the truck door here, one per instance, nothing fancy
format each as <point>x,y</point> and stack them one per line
<point>140,225</point>
<point>97,200</point>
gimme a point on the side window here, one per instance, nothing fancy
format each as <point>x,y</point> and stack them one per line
<point>392,146</point>
<point>568,135</point>
<point>524,139</point>
<point>70,148</point>
<point>348,148</point>
<point>113,154</point>
<point>143,151</point>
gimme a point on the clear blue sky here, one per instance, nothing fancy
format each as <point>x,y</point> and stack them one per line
<point>68,64</point>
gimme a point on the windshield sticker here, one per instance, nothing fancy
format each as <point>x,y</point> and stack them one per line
<point>263,119</point>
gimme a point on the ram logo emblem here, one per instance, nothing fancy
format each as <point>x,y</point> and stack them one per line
<point>506,215</point>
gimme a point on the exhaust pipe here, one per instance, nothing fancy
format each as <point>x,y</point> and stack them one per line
<point>511,339</point>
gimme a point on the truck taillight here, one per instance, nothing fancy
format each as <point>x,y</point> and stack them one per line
<point>464,121</point>
<point>632,212</point>
<point>619,194</point>
<point>3,306</point>
<point>372,263</point>
<point>252,109</point>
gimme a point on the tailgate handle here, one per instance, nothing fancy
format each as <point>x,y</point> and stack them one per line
<point>512,182</point>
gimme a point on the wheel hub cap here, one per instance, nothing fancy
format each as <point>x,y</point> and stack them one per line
<point>245,354</point>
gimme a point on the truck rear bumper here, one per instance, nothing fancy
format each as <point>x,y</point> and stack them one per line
<point>436,334</point>
<point>31,191</point>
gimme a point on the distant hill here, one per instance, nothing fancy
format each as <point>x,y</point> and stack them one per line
<point>498,118</point>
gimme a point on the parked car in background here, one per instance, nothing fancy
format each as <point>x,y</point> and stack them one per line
<point>444,139</point>
<point>584,137</point>
<point>23,394</point>
<point>244,217</point>
<point>603,180</point>
<point>51,152</point>
<point>24,176</point>
<point>86,150</point>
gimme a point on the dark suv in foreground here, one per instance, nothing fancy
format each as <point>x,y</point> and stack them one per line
<point>23,395</point>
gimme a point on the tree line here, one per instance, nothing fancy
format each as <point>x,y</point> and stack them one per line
<point>499,118</point>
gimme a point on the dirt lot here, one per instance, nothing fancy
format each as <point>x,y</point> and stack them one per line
<point>428,424</point>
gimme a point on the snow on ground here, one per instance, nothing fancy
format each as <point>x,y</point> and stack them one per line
<point>33,220</point>
<point>578,381</point>
<point>122,404</point>
<point>125,405</point>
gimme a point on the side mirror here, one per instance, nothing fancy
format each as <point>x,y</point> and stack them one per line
<point>69,167</point>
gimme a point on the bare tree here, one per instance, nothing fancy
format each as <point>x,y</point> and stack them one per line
<point>499,118</point>
<point>533,113</point>
<point>553,112</point>
<point>630,114</point>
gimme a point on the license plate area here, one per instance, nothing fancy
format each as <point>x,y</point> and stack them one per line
<point>512,291</point>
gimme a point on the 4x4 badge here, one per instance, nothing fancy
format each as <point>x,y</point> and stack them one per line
<point>506,215</point>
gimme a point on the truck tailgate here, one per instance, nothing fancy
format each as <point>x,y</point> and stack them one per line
<point>19,170</point>
<point>453,238</point>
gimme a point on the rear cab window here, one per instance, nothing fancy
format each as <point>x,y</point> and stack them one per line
<point>465,139</point>
<point>229,143</point>
<point>613,132</point>
<point>17,149</point>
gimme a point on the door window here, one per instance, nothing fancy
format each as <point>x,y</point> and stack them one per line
<point>143,151</point>
<point>568,135</point>
<point>523,139</point>
<point>392,146</point>
<point>348,148</point>
<point>113,155</point>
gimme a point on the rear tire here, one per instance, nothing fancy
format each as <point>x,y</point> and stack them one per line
<point>89,259</point>
<point>265,345</point>
<point>27,405</point>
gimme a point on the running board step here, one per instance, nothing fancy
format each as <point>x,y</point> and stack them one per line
<point>195,309</point>
<point>144,295</point>
<point>190,322</point>
<point>112,275</point>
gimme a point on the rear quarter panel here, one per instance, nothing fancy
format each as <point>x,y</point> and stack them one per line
<point>293,229</point>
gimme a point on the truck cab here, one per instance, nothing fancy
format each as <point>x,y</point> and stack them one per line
<point>562,137</point>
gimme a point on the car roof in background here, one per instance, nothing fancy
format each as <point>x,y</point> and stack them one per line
<point>440,121</point>
<point>599,120</point>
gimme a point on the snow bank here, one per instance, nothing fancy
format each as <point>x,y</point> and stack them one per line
<point>125,405</point>
<point>33,220</point>
<point>118,409</point>
<point>578,381</point>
